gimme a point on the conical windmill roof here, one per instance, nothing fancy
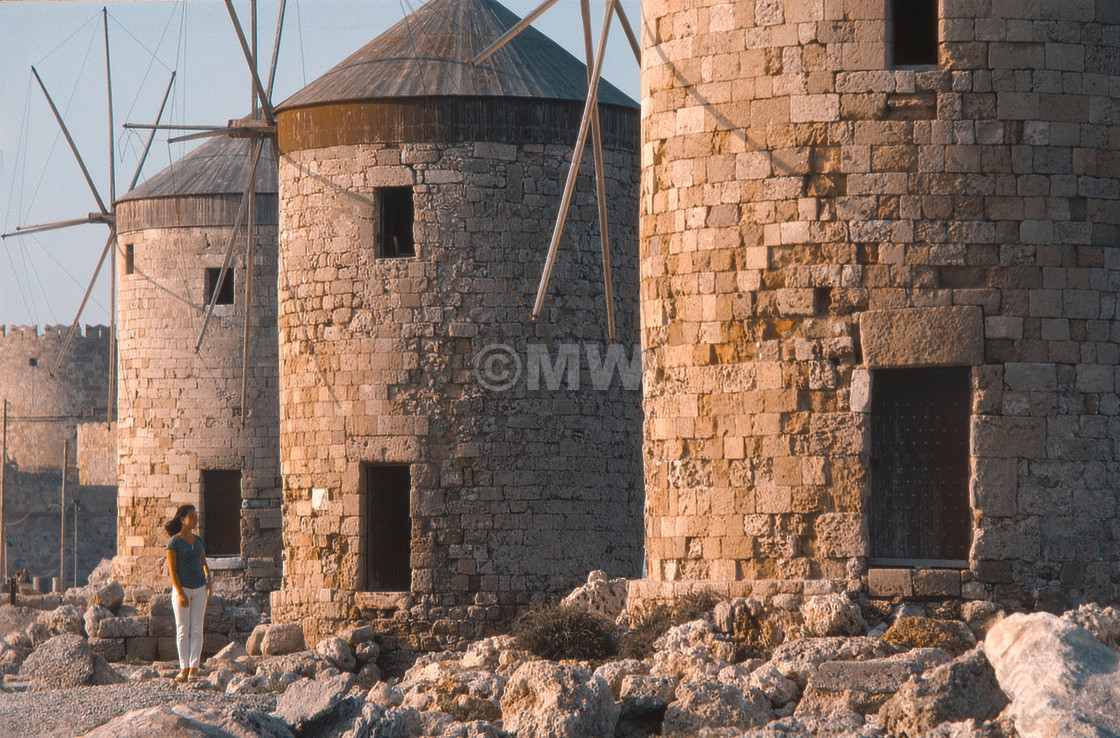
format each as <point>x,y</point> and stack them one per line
<point>218,167</point>
<point>428,54</point>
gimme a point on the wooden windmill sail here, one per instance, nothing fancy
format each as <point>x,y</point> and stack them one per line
<point>590,121</point>
<point>258,128</point>
<point>105,214</point>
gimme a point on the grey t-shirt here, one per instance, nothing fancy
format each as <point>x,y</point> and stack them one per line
<point>189,561</point>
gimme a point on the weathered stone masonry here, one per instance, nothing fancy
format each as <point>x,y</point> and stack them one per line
<point>513,494</point>
<point>811,215</point>
<point>181,414</point>
<point>44,413</point>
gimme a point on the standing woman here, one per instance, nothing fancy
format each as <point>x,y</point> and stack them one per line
<point>186,558</point>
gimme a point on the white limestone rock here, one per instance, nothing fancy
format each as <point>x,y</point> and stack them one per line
<point>1061,680</point>
<point>602,596</point>
<point>183,721</point>
<point>709,703</point>
<point>549,700</point>
<point>282,638</point>
<point>339,652</point>
<point>832,615</point>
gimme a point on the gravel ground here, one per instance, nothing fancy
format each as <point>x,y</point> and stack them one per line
<point>61,713</point>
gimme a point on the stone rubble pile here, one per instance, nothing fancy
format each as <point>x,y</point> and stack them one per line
<point>990,675</point>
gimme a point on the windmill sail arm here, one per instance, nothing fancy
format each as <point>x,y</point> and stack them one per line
<point>509,35</point>
<point>55,225</point>
<point>262,96</point>
<point>152,135</point>
<point>70,141</point>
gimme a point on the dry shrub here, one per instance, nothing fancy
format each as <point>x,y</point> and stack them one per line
<point>558,632</point>
<point>652,622</point>
<point>919,632</point>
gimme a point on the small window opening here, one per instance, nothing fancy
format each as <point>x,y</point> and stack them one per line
<point>225,292</point>
<point>387,489</point>
<point>33,361</point>
<point>394,205</point>
<point>221,511</point>
<point>129,259</point>
<point>919,509</point>
<point>915,34</point>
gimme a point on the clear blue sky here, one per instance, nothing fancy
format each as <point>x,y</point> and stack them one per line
<point>43,276</point>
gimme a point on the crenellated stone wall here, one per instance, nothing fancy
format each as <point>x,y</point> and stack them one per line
<point>811,216</point>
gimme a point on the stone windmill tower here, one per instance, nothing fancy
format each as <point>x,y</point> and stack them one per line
<point>184,434</point>
<point>417,193</point>
<point>879,296</point>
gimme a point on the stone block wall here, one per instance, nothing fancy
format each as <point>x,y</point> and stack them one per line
<point>804,206</point>
<point>31,508</point>
<point>516,492</point>
<point>43,411</point>
<point>180,411</point>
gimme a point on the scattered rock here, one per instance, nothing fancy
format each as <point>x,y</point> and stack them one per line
<point>338,651</point>
<point>61,662</point>
<point>922,632</point>
<point>182,721</point>
<point>92,619</point>
<point>549,700</point>
<point>801,658</point>
<point>779,689</point>
<point>111,596</point>
<point>253,644</point>
<point>1061,680</point>
<point>1102,622</point>
<point>963,689</point>
<point>282,638</point>
<point>709,703</point>
<point>854,686</point>
<point>602,596</point>
<point>832,615</point>
<point>310,701</point>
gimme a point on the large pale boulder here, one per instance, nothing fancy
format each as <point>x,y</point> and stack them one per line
<point>709,703</point>
<point>856,686</point>
<point>309,701</point>
<point>183,721</point>
<point>548,700</point>
<point>965,688</point>
<point>61,662</point>
<point>1061,680</point>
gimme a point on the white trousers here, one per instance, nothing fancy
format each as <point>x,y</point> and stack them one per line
<point>188,625</point>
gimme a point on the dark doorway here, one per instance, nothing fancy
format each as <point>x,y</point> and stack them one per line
<point>387,489</point>
<point>221,511</point>
<point>915,32</point>
<point>394,205</point>
<point>920,465</point>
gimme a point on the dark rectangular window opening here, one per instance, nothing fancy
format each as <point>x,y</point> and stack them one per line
<point>915,34</point>
<point>225,292</point>
<point>129,259</point>
<point>920,511</point>
<point>394,205</point>
<point>387,489</point>
<point>221,511</point>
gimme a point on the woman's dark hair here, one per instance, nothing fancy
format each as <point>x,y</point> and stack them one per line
<point>175,525</point>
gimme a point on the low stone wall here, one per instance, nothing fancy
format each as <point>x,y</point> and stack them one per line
<point>145,630</point>
<point>323,612</point>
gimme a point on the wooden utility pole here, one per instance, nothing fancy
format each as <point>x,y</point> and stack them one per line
<point>62,516</point>
<point>3,480</point>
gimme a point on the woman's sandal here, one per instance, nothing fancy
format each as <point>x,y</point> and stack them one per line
<point>192,675</point>
<point>183,676</point>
